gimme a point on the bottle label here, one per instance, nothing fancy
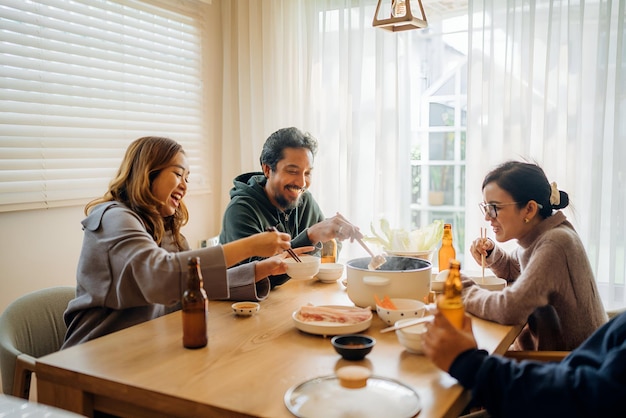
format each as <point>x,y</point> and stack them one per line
<point>329,252</point>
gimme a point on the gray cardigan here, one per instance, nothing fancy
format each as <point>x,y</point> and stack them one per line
<point>550,267</point>
<point>125,278</point>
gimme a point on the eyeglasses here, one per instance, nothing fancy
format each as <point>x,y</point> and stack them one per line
<point>491,209</point>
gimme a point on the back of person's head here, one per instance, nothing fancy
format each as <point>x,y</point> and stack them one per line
<point>283,138</point>
<point>525,182</point>
<point>144,159</point>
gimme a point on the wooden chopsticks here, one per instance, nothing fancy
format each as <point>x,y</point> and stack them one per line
<point>291,252</point>
<point>483,235</point>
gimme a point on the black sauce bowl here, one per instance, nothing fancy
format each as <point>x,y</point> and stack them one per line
<point>354,346</point>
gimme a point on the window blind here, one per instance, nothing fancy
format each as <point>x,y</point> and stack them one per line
<point>80,80</point>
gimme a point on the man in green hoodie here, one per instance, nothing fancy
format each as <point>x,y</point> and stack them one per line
<point>279,197</point>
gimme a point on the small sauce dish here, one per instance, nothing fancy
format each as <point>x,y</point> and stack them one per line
<point>353,347</point>
<point>245,308</point>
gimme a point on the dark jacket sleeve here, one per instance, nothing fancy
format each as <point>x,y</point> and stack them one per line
<point>590,382</point>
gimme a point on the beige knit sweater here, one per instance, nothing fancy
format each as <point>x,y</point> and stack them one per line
<point>550,267</point>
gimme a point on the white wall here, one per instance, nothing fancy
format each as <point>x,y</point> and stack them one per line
<point>40,249</point>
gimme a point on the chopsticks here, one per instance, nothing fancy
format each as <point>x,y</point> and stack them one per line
<point>377,260</point>
<point>483,235</point>
<point>365,247</point>
<point>293,255</point>
<point>407,324</point>
<point>291,252</point>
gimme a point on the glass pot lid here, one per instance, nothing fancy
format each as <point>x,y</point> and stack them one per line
<point>326,397</point>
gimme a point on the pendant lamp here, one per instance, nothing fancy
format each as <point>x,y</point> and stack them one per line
<point>401,17</point>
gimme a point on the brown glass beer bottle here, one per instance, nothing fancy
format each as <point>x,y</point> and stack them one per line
<point>195,307</point>
<point>446,252</point>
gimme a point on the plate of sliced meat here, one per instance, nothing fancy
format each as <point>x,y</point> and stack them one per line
<point>332,319</point>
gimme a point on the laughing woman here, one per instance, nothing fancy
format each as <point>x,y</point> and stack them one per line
<point>133,263</point>
<point>551,284</point>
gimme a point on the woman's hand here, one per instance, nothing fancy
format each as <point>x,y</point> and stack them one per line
<point>274,266</point>
<point>267,244</point>
<point>480,247</point>
<point>443,342</point>
<point>263,244</point>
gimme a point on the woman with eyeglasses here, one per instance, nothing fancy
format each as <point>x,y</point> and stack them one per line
<point>551,287</point>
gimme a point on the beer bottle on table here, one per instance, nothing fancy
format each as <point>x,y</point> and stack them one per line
<point>195,307</point>
<point>450,303</point>
<point>329,251</point>
<point>446,252</point>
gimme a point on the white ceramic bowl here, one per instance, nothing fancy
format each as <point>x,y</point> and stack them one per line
<point>245,308</point>
<point>407,308</point>
<point>307,269</point>
<point>437,281</point>
<point>490,282</point>
<point>330,272</point>
<point>411,337</point>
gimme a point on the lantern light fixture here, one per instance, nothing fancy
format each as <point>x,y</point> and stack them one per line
<point>401,16</point>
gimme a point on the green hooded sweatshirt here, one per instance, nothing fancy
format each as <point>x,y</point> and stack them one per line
<point>250,212</point>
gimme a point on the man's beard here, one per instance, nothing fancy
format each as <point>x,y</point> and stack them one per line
<point>286,204</point>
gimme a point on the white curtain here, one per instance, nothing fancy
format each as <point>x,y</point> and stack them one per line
<point>266,78</point>
<point>546,82</point>
<point>309,64</point>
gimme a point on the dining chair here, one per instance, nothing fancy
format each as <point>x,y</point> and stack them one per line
<point>552,353</point>
<point>31,327</point>
<point>612,313</point>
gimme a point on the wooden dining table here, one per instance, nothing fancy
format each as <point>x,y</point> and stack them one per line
<point>246,368</point>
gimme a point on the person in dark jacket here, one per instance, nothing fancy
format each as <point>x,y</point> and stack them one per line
<point>279,197</point>
<point>589,382</point>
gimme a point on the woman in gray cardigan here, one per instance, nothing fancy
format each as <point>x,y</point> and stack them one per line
<point>551,284</point>
<point>133,263</point>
